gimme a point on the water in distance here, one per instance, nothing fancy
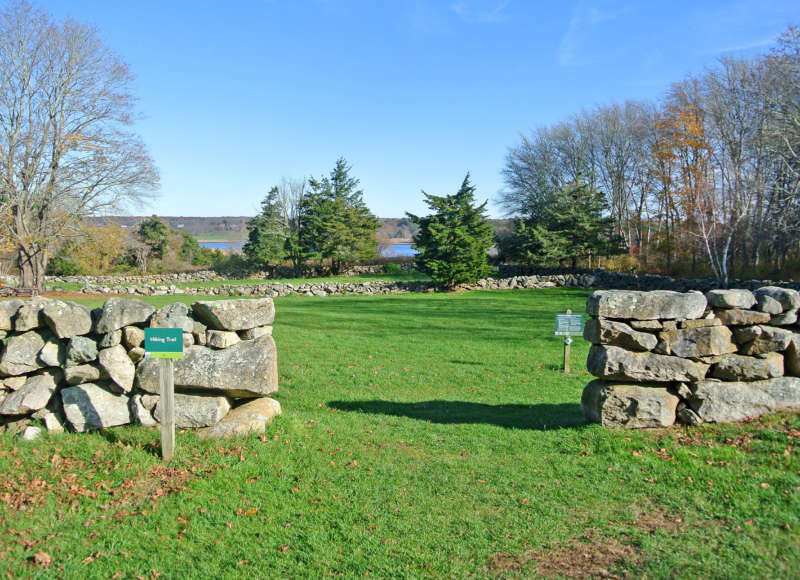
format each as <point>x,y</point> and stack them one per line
<point>234,246</point>
<point>394,250</point>
<point>390,250</point>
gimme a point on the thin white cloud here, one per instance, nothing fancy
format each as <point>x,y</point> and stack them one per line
<point>583,21</point>
<point>481,11</point>
<point>749,45</point>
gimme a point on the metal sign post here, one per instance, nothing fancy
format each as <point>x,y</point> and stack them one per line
<point>165,344</point>
<point>567,325</point>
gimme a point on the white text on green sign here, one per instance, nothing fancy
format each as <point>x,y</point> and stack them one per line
<point>163,342</point>
<point>568,324</point>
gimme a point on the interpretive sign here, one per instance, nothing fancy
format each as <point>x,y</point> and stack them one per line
<point>163,342</point>
<point>166,344</point>
<point>569,324</point>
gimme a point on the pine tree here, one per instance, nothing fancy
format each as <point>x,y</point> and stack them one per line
<point>267,234</point>
<point>571,226</point>
<point>335,224</point>
<point>453,241</point>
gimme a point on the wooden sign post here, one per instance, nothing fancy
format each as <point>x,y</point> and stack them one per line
<point>567,325</point>
<point>165,344</point>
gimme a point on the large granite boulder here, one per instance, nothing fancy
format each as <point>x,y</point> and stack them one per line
<point>120,312</point>
<point>67,319</point>
<point>636,305</point>
<point>29,315</point>
<point>252,417</point>
<point>174,315</point>
<point>618,405</point>
<point>737,367</point>
<point>238,314</point>
<point>604,331</point>
<point>788,298</point>
<point>615,363</point>
<point>22,354</point>
<point>195,411</point>
<point>721,402</point>
<point>118,365</point>
<point>92,406</point>
<point>247,369</point>
<point>730,298</point>
<point>699,342</point>
<point>81,349</point>
<point>33,395</point>
<point>8,311</point>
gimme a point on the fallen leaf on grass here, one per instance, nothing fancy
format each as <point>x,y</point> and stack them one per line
<point>42,559</point>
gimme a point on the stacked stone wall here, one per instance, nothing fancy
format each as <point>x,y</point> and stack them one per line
<point>71,367</point>
<point>664,356</point>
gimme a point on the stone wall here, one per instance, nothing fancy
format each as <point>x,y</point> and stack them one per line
<point>664,356</point>
<point>83,369</point>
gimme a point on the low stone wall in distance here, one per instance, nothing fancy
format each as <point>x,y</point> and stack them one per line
<point>71,367</point>
<point>663,356</point>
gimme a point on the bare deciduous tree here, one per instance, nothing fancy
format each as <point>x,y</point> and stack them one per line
<point>65,148</point>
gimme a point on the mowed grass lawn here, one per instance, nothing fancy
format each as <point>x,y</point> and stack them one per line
<point>423,435</point>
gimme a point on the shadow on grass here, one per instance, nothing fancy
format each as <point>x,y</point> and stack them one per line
<point>151,448</point>
<point>542,417</point>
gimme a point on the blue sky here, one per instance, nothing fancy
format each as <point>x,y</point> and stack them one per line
<point>413,93</point>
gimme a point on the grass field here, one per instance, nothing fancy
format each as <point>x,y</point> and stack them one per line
<point>423,435</point>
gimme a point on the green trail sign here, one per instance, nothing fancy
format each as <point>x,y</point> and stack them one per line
<point>163,342</point>
<point>569,324</point>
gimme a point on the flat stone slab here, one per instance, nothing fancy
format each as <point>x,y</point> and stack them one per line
<point>247,369</point>
<point>604,331</point>
<point>238,314</point>
<point>735,367</point>
<point>626,406</point>
<point>91,406</point>
<point>722,402</point>
<point>615,363</point>
<point>699,342</point>
<point>195,411</point>
<point>636,305</point>
<point>739,317</point>
<point>734,298</point>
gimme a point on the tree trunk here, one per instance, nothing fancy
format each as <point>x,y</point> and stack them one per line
<point>32,264</point>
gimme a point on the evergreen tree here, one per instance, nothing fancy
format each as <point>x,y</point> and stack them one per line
<point>154,233</point>
<point>268,234</point>
<point>335,223</point>
<point>569,227</point>
<point>453,241</point>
